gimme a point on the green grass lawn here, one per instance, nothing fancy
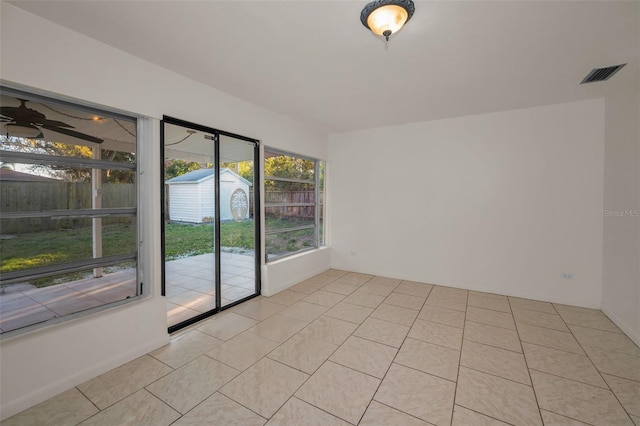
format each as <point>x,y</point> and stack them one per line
<point>183,240</point>
<point>37,249</point>
<point>32,250</point>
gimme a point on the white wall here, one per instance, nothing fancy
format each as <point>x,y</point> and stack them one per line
<point>506,202</point>
<point>40,364</point>
<point>185,204</point>
<point>282,274</point>
<point>621,277</point>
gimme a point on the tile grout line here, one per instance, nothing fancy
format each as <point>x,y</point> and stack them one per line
<point>585,354</point>
<point>573,380</point>
<point>487,415</point>
<point>567,417</point>
<point>390,364</point>
<point>492,325</point>
<point>323,363</point>
<point>263,357</point>
<point>494,346</point>
<point>596,368</point>
<point>129,394</point>
<point>455,392</point>
<point>240,404</point>
<point>619,377</point>
<point>281,363</point>
<point>524,356</point>
<point>305,402</point>
<point>395,409</point>
<point>539,326</point>
<point>310,403</point>
<point>92,403</point>
<point>296,390</point>
<point>499,377</point>
<point>546,346</point>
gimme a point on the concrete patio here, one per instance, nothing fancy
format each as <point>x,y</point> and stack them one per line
<point>190,291</point>
<point>190,283</point>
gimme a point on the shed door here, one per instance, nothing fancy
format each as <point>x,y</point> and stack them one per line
<point>210,255</point>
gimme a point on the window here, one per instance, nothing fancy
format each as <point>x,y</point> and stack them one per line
<point>68,216</point>
<point>294,203</point>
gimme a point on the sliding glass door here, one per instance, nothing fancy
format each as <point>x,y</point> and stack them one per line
<point>238,267</point>
<point>210,224</point>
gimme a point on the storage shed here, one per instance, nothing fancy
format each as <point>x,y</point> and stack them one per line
<point>191,196</point>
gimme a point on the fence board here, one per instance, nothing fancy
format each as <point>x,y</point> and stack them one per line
<point>299,212</point>
<point>37,196</point>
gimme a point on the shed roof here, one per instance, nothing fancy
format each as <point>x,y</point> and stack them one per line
<point>193,176</point>
<point>199,175</point>
<point>13,175</point>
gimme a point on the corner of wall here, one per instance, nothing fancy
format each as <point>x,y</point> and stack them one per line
<point>283,273</point>
<point>621,221</point>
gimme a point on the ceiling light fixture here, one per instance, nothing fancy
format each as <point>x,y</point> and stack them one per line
<point>386,17</point>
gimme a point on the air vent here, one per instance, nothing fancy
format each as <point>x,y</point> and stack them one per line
<point>602,74</point>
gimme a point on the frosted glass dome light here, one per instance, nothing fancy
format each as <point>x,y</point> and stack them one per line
<point>387,17</point>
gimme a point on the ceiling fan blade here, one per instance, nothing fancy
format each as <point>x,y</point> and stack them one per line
<point>23,114</point>
<point>73,133</point>
<point>55,123</point>
<point>8,111</point>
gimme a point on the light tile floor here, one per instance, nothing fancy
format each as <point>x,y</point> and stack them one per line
<point>344,348</point>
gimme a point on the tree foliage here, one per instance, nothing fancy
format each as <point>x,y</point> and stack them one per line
<point>284,166</point>
<point>243,168</point>
<point>275,165</point>
<point>40,146</point>
<point>118,176</point>
<point>174,168</point>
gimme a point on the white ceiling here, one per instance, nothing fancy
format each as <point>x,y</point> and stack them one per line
<point>117,134</point>
<point>315,62</point>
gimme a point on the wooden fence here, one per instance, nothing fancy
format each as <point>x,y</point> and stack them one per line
<point>290,197</point>
<point>39,196</point>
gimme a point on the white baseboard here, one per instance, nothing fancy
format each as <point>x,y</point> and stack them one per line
<point>626,329</point>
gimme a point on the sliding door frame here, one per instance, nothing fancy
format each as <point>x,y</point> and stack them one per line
<point>256,216</point>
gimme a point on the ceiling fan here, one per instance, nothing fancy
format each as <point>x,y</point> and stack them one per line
<point>28,123</point>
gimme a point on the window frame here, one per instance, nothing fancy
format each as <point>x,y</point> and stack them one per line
<point>134,212</point>
<point>318,205</point>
